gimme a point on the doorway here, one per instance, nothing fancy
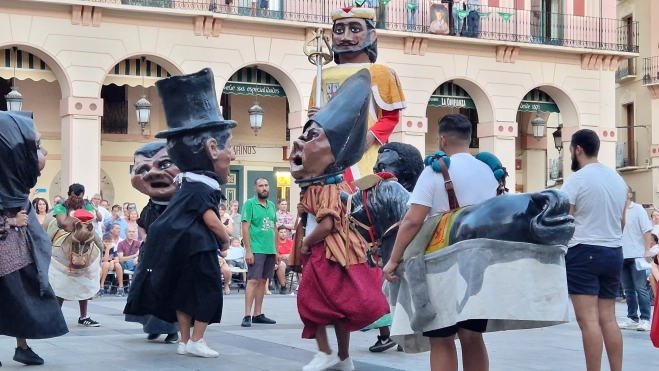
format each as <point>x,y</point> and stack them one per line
<point>547,24</point>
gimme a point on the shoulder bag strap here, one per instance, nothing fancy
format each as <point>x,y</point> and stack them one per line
<point>448,184</point>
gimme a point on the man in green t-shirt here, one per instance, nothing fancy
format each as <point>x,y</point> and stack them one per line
<point>258,228</point>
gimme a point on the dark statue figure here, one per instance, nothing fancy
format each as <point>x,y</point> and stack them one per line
<point>402,160</point>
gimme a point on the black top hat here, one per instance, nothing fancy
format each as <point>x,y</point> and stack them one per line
<point>345,119</point>
<point>190,104</point>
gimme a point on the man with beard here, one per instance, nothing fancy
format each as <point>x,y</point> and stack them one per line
<point>598,200</point>
<point>355,47</point>
<point>258,227</point>
<point>153,175</point>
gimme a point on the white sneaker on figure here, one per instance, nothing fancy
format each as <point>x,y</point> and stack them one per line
<point>644,325</point>
<point>322,361</point>
<point>181,349</point>
<point>345,365</point>
<point>199,348</point>
<point>629,324</point>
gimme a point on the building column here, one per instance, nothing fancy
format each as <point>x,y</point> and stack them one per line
<point>411,130</point>
<point>81,143</point>
<point>534,163</point>
<point>296,121</point>
<point>498,138</point>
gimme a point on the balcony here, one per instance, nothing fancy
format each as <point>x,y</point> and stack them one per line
<point>626,71</point>
<point>626,156</point>
<point>474,21</point>
<point>651,71</point>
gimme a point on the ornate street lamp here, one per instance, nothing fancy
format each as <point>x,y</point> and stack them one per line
<point>143,106</point>
<point>558,139</point>
<point>14,98</point>
<point>538,125</point>
<point>256,117</point>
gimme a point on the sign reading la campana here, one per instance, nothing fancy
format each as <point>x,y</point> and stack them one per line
<point>464,102</point>
<point>253,89</point>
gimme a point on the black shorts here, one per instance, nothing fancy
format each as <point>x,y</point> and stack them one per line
<point>263,267</point>
<point>594,270</point>
<point>475,325</point>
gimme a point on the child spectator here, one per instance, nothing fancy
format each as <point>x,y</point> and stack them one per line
<point>109,263</point>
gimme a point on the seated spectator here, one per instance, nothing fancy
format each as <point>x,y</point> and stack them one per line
<point>284,247</point>
<point>654,270</point>
<point>110,263</point>
<point>117,219</point>
<point>240,263</point>
<point>127,253</point>
<point>225,219</point>
<point>226,271</point>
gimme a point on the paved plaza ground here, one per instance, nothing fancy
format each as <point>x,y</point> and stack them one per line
<point>118,345</point>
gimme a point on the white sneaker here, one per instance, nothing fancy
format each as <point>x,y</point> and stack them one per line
<point>200,349</point>
<point>644,325</point>
<point>321,361</point>
<point>345,365</point>
<point>181,349</point>
<point>629,324</point>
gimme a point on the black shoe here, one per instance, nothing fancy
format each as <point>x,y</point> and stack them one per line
<point>88,322</point>
<point>382,344</point>
<point>153,336</point>
<point>27,357</point>
<point>247,321</point>
<point>282,290</point>
<point>261,318</point>
<point>399,348</point>
<point>171,338</point>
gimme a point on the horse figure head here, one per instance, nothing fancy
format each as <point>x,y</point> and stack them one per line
<point>376,213</point>
<point>80,245</point>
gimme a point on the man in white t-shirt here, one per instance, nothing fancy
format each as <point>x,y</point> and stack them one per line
<point>473,182</point>
<point>598,197</point>
<point>636,244</point>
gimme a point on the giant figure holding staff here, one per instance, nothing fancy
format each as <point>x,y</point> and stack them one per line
<point>355,46</point>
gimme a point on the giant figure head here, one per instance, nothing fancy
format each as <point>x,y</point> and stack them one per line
<point>353,31</point>
<point>198,138</point>
<point>402,160</point>
<point>334,138</point>
<point>153,173</point>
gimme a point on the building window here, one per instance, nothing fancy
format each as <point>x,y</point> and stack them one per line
<point>115,110</point>
<point>631,141</point>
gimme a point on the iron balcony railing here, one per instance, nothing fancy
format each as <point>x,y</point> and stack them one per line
<point>477,21</point>
<point>627,68</point>
<point>651,70</point>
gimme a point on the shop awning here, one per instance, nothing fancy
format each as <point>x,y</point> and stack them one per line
<point>537,98</point>
<point>244,82</point>
<point>451,95</point>
<point>28,66</point>
<point>131,72</point>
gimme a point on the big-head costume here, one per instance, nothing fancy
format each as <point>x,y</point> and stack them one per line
<point>180,270</point>
<point>153,175</point>
<point>387,98</point>
<point>28,307</point>
<point>338,284</point>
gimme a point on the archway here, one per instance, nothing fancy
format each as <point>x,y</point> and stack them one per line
<point>539,159</point>
<point>457,96</point>
<point>261,152</point>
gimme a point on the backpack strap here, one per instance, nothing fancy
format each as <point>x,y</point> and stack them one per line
<point>448,184</point>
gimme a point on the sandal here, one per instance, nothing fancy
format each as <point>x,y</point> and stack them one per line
<point>227,291</point>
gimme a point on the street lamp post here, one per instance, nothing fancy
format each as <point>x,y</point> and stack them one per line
<point>143,106</point>
<point>558,139</point>
<point>14,98</point>
<point>256,117</point>
<point>538,125</point>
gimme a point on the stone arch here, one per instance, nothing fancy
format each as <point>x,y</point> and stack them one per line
<point>478,94</point>
<point>293,94</point>
<point>566,105</point>
<point>52,62</point>
<point>172,67</point>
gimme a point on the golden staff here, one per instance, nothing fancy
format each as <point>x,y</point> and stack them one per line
<point>319,59</point>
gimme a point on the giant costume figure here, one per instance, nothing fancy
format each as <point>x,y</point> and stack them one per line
<point>153,175</point>
<point>338,287</point>
<point>28,307</point>
<point>501,260</point>
<point>179,276</point>
<point>355,46</point>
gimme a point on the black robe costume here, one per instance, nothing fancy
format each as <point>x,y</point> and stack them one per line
<point>28,307</point>
<point>180,270</point>
<point>150,324</point>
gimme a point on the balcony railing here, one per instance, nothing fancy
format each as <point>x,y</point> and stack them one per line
<point>651,70</point>
<point>623,158</point>
<point>476,21</point>
<point>627,69</point>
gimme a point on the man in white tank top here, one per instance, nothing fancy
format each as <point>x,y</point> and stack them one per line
<point>473,182</point>
<point>598,197</point>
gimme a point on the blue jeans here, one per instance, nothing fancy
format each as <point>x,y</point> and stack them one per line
<point>457,21</point>
<point>411,18</point>
<point>128,265</point>
<point>636,290</point>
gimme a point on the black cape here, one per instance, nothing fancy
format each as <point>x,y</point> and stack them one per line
<point>177,243</point>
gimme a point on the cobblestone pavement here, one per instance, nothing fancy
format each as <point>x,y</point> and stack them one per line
<point>118,345</point>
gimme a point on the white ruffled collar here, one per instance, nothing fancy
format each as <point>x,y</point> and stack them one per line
<point>198,178</point>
